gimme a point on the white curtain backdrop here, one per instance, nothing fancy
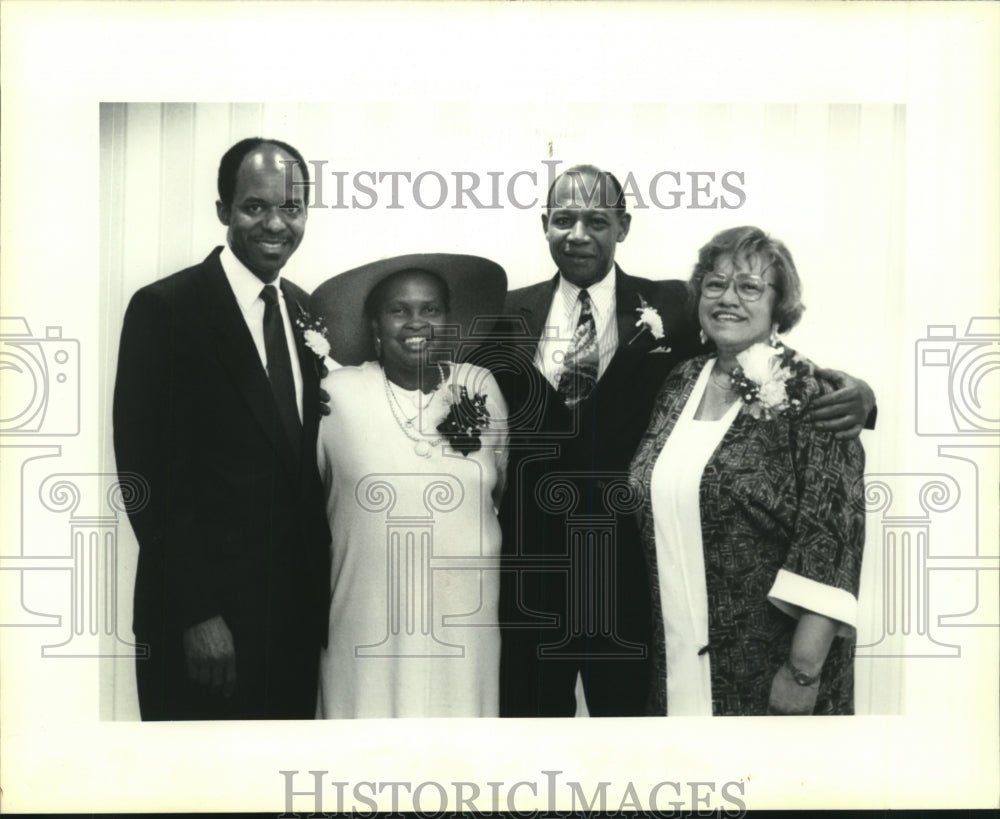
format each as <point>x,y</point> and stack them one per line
<point>829,180</point>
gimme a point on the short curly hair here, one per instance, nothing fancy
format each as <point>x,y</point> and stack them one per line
<point>741,243</point>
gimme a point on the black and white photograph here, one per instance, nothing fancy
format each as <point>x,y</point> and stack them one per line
<point>478,407</point>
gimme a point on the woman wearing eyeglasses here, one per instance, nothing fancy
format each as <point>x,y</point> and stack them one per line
<point>751,534</point>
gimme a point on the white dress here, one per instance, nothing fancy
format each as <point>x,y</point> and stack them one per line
<point>674,489</point>
<point>415,552</point>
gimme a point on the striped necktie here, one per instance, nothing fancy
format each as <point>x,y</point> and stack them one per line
<point>579,373</point>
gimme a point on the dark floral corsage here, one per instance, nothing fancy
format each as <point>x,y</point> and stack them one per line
<point>773,381</point>
<point>314,336</point>
<point>466,419</point>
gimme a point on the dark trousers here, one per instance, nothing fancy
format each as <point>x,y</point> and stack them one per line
<point>585,612</point>
<point>534,686</point>
<point>274,680</point>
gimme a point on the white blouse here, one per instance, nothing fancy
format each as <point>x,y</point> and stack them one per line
<point>680,558</point>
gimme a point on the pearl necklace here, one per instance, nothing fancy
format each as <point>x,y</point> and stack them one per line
<point>422,446</point>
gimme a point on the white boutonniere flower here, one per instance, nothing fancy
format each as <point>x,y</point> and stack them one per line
<point>314,336</point>
<point>649,321</point>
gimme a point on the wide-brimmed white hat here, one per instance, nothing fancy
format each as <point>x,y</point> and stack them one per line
<point>477,286</point>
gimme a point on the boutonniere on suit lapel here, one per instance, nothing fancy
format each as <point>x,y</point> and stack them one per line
<point>650,325</point>
<point>313,334</point>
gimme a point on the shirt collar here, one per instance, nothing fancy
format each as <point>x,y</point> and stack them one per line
<point>246,286</point>
<point>601,293</point>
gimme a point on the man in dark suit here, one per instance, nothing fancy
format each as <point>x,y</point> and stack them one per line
<point>216,407</point>
<point>574,591</point>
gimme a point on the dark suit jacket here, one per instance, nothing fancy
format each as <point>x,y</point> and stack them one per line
<point>595,440</point>
<point>234,523</point>
<point>603,431</point>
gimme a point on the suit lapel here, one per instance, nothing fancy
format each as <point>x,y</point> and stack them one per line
<point>537,302</point>
<point>308,363</point>
<point>630,347</point>
<point>238,354</point>
<point>532,305</point>
<point>536,305</point>
<point>626,302</point>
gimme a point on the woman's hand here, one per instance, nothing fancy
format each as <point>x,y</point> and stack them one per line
<point>844,411</point>
<point>788,698</point>
<point>807,655</point>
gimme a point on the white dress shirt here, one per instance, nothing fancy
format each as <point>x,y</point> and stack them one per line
<point>564,314</point>
<point>246,287</point>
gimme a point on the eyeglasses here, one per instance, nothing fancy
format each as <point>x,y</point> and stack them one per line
<point>748,288</point>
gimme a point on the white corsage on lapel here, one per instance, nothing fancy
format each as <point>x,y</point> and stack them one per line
<point>313,332</point>
<point>650,323</point>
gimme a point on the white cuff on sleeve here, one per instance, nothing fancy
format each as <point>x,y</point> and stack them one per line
<point>794,594</point>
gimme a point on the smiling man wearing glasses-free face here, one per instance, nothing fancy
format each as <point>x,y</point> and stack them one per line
<point>584,222</point>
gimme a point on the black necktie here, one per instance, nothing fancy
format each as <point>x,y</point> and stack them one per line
<point>279,367</point>
<point>579,373</point>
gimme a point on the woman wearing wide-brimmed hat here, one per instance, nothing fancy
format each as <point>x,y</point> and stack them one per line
<point>412,456</point>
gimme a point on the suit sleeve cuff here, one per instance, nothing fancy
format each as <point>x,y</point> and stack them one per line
<point>794,594</point>
<point>191,613</point>
<point>194,597</point>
